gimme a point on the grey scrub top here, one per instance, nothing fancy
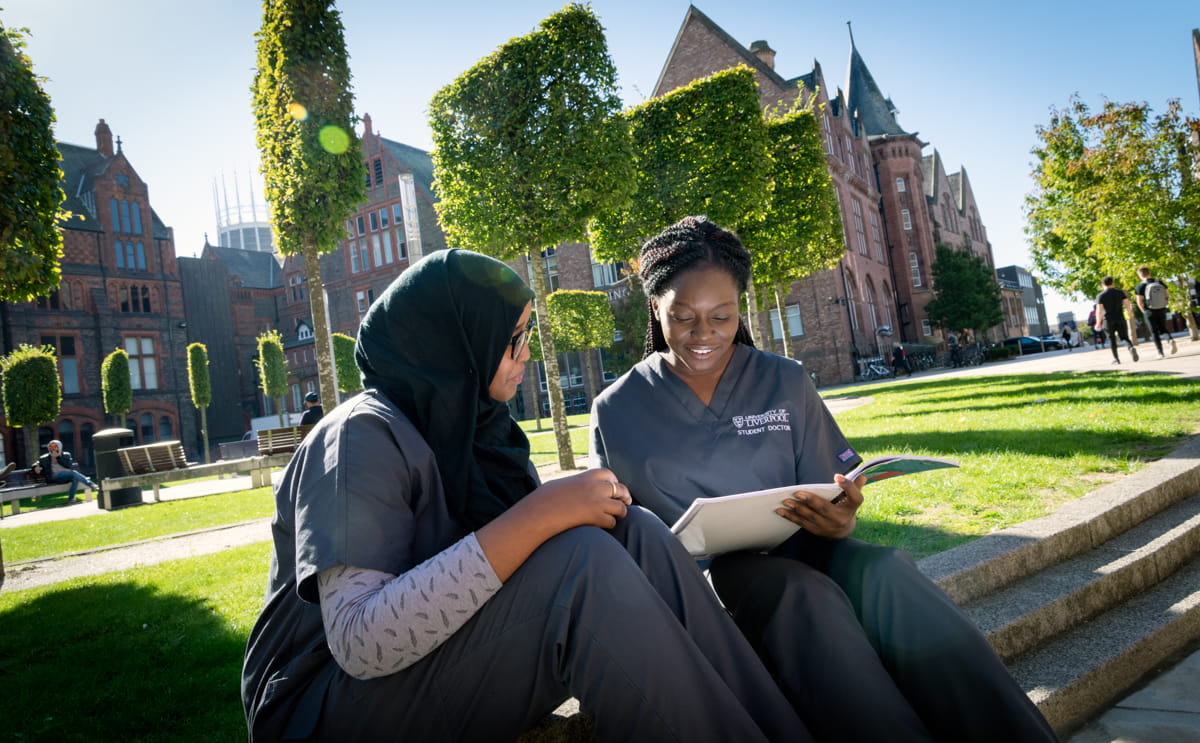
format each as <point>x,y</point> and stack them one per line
<point>766,427</point>
<point>363,490</point>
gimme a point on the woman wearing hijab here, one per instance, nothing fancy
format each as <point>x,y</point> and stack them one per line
<point>425,586</point>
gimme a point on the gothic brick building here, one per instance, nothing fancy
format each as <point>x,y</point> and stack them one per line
<point>120,288</point>
<point>896,203</point>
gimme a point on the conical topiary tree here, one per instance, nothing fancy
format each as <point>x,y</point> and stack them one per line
<point>32,391</point>
<point>348,379</point>
<point>116,385</point>
<point>201,387</point>
<point>272,368</point>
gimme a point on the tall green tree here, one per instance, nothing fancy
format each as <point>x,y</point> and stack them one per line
<point>30,196</point>
<point>631,316</point>
<point>201,387</point>
<point>116,385</point>
<point>1113,191</point>
<point>348,378</point>
<point>581,321</point>
<point>528,146</point>
<point>966,294</point>
<point>800,233</point>
<point>311,156</point>
<point>272,369</point>
<point>699,149</point>
<point>32,391</point>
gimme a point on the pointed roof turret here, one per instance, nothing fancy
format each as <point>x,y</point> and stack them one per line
<point>863,97</point>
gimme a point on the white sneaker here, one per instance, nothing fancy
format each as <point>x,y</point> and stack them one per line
<point>1160,355</point>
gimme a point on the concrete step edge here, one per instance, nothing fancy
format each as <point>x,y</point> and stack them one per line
<point>984,565</point>
<point>1082,672</point>
<point>1026,614</point>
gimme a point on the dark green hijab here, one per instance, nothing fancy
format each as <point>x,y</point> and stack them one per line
<point>432,344</point>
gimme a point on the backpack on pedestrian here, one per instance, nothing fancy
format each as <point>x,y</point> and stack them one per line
<point>1156,295</point>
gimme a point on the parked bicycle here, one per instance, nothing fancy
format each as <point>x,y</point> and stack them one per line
<point>874,368</point>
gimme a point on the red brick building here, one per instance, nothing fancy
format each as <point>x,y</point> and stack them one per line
<point>896,204</point>
<point>120,289</point>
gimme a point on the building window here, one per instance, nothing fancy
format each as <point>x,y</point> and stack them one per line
<point>49,302</point>
<point>374,221</point>
<point>296,398</point>
<point>387,245</point>
<point>147,428</point>
<point>364,255</point>
<point>362,226</point>
<point>296,284</point>
<point>116,215</point>
<point>926,328</point>
<point>68,362</point>
<point>914,267</point>
<point>795,324</point>
<point>143,364</point>
<point>362,302</point>
<point>397,214</point>
<point>166,431</point>
<point>604,274</point>
<point>378,171</point>
<point>860,232</point>
<point>905,219</point>
<point>550,268</point>
<point>383,218</point>
<point>401,248</point>
<point>877,235</point>
<point>353,256</point>
<point>377,246</point>
<point>303,332</point>
<point>900,185</point>
<point>137,220</point>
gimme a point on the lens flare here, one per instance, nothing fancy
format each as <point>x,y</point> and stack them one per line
<point>334,139</point>
<point>297,111</point>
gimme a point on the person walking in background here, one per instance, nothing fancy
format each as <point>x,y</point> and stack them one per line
<point>313,411</point>
<point>1097,331</point>
<point>1152,300</point>
<point>955,353</point>
<point>1112,304</point>
<point>57,465</point>
<point>1066,336</point>
<point>900,361</point>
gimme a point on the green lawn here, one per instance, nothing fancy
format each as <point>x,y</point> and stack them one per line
<point>153,654</point>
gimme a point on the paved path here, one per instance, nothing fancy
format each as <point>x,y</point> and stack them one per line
<point>1166,710</point>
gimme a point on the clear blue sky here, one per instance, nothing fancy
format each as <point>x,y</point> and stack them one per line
<point>973,79</point>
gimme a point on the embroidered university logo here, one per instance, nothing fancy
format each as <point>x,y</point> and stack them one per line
<point>845,455</point>
<point>769,420</point>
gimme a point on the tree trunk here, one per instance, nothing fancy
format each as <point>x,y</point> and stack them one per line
<point>562,439</point>
<point>204,431</point>
<point>785,331</point>
<point>282,407</point>
<point>537,394</point>
<point>322,336</point>
<point>757,332</point>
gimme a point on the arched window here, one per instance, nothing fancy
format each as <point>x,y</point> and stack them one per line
<point>164,429</point>
<point>66,434</point>
<point>45,436</point>
<point>86,454</point>
<point>147,428</point>
<point>145,299</point>
<point>870,297</point>
<point>852,299</point>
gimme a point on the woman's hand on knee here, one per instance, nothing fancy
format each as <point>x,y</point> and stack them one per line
<point>591,498</point>
<point>834,519</point>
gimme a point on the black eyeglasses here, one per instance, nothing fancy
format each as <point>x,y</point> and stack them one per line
<point>520,340</point>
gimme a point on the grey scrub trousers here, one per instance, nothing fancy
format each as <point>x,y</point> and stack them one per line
<point>866,647</point>
<point>621,619</point>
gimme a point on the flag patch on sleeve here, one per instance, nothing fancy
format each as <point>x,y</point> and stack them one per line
<point>846,455</point>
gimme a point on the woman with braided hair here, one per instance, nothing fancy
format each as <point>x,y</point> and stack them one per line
<point>865,647</point>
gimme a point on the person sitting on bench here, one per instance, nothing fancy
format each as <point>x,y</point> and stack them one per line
<point>57,465</point>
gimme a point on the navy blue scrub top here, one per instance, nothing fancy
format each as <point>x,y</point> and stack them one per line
<point>766,427</point>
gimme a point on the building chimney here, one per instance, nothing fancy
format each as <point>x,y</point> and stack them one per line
<point>104,139</point>
<point>764,52</point>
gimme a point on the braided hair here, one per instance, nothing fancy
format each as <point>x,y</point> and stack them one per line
<point>690,243</point>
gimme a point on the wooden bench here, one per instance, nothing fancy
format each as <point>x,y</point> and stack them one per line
<point>259,468</point>
<point>281,440</point>
<point>157,457</point>
<point>25,484</point>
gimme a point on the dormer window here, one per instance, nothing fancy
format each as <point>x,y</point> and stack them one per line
<point>303,332</point>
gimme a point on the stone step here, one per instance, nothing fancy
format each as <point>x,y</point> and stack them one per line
<point>1029,612</point>
<point>1079,673</point>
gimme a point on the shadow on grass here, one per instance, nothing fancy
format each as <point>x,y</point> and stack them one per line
<point>119,662</point>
